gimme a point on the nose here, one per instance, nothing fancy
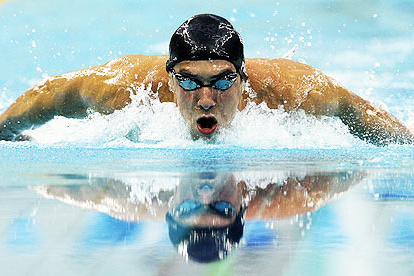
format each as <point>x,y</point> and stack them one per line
<point>205,193</point>
<point>206,101</point>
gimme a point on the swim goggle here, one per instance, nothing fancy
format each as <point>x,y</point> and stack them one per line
<point>190,84</point>
<point>191,207</point>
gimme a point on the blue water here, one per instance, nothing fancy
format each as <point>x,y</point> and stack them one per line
<point>69,200</point>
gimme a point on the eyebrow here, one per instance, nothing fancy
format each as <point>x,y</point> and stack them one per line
<point>189,74</point>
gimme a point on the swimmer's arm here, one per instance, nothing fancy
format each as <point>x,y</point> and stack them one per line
<point>69,95</point>
<point>298,196</point>
<point>293,85</point>
<point>103,88</point>
<point>364,120</point>
<point>111,197</point>
<point>370,123</point>
<point>40,104</point>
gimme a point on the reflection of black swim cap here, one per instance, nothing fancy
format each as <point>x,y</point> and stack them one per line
<point>205,244</point>
<point>207,37</point>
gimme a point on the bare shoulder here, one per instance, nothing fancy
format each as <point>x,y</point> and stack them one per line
<point>129,72</point>
<point>293,85</point>
<point>108,87</point>
<point>121,71</point>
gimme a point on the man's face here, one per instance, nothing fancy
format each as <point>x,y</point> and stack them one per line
<point>207,188</point>
<point>206,109</point>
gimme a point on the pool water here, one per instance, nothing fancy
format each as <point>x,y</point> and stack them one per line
<point>89,196</point>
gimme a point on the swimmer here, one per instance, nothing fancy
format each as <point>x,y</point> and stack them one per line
<point>209,79</point>
<point>206,212</point>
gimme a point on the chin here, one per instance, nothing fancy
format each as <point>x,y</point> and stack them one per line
<point>196,134</point>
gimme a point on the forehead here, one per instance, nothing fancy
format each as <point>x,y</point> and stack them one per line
<point>204,67</point>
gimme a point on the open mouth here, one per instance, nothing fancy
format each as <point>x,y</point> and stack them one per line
<point>206,125</point>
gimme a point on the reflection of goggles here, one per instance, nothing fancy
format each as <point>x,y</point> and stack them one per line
<point>189,83</point>
<point>190,207</point>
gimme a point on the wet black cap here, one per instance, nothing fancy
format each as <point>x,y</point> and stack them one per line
<point>205,244</point>
<point>207,37</point>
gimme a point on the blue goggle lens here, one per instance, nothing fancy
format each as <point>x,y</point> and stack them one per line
<point>189,207</point>
<point>222,84</point>
<point>224,208</point>
<point>188,84</point>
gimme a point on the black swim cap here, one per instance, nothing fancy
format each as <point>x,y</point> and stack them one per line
<point>207,37</point>
<point>206,244</point>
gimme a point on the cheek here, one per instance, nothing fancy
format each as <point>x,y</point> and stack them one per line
<point>182,98</point>
<point>229,102</point>
<point>185,102</point>
<point>230,194</point>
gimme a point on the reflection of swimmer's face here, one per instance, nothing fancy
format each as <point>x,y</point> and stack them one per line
<point>206,109</point>
<point>207,199</point>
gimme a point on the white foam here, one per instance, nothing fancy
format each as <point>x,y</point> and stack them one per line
<point>147,122</point>
<point>259,126</point>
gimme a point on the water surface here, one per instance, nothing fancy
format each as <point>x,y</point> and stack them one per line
<point>90,196</point>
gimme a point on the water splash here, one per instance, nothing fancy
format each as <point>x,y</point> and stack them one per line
<point>148,123</point>
<point>291,52</point>
<point>261,127</point>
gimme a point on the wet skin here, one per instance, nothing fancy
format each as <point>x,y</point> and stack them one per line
<point>275,82</point>
<point>206,102</point>
<point>206,191</point>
